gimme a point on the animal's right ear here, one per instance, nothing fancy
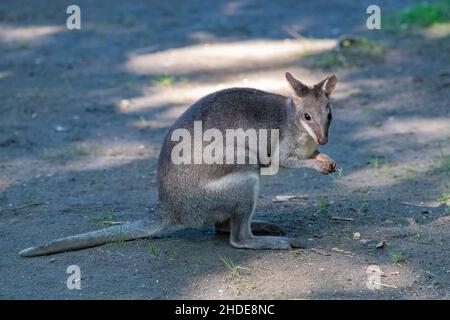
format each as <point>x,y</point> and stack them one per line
<point>300,89</point>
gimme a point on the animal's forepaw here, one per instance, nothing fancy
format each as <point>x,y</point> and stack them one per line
<point>325,164</point>
<point>326,167</point>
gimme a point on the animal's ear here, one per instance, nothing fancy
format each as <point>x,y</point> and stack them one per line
<point>300,89</point>
<point>328,84</point>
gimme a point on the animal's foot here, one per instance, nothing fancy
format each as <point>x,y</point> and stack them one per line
<point>258,228</point>
<point>325,164</point>
<point>266,228</point>
<point>267,242</point>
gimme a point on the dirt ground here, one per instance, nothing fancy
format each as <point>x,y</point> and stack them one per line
<point>83,114</point>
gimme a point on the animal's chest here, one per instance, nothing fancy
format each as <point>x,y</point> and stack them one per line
<point>305,146</point>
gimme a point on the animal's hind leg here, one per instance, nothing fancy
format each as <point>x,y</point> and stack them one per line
<point>240,238</point>
<point>241,190</point>
<point>258,228</point>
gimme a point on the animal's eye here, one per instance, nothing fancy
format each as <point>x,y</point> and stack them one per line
<point>307,116</point>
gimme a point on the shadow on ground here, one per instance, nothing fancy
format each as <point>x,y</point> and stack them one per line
<point>84,114</point>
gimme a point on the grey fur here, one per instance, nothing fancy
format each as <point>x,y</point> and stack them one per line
<point>225,195</point>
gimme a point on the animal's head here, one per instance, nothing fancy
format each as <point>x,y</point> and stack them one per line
<point>313,107</point>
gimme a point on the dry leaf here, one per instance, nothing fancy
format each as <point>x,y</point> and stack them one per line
<point>320,252</point>
<point>340,250</point>
<point>381,244</point>
<point>342,218</point>
<point>283,198</point>
<point>356,235</point>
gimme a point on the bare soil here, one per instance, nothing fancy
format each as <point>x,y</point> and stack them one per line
<point>83,114</point>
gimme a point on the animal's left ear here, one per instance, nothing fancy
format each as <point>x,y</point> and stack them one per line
<point>328,84</point>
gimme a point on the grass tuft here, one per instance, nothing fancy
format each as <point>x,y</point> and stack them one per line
<point>324,204</point>
<point>65,154</point>
<point>233,269</point>
<point>107,218</point>
<point>153,249</point>
<point>445,198</point>
<point>167,80</point>
<point>350,52</point>
<point>422,15</point>
<point>376,161</point>
<point>120,239</point>
<point>445,162</point>
<point>364,208</point>
<point>397,257</point>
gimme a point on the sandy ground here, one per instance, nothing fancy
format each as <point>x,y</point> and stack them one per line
<point>83,114</point>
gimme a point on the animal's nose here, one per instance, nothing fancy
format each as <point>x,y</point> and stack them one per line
<point>323,140</point>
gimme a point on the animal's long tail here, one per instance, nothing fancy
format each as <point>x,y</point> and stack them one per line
<point>128,231</point>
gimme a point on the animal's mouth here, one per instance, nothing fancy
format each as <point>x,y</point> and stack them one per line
<point>318,138</point>
<point>322,140</point>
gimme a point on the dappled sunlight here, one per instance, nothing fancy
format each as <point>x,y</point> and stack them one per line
<point>387,174</point>
<point>165,119</point>
<point>363,178</point>
<point>182,95</point>
<point>109,154</point>
<point>438,30</point>
<point>424,130</point>
<point>440,226</point>
<point>230,55</point>
<point>86,156</point>
<point>233,7</point>
<point>86,112</point>
<point>5,74</point>
<point>11,34</point>
<point>253,278</point>
<point>5,183</point>
<point>186,94</point>
<point>244,63</point>
<point>394,277</point>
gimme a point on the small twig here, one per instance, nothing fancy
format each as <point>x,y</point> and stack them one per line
<point>114,223</point>
<point>320,252</point>
<point>294,34</point>
<point>416,205</point>
<point>34,204</point>
<point>363,206</point>
<point>384,285</point>
<point>285,198</point>
<point>431,274</point>
<point>342,218</point>
<point>264,268</point>
<point>243,268</point>
<point>341,251</point>
<point>421,242</point>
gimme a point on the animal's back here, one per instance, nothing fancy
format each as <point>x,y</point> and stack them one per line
<point>234,108</point>
<point>181,185</point>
